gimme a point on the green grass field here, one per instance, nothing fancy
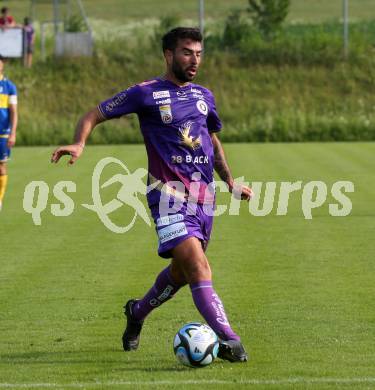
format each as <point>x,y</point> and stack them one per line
<point>300,292</point>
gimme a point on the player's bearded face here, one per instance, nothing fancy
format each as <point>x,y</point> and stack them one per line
<point>186,60</point>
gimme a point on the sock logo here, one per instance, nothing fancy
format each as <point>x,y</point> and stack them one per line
<point>221,317</point>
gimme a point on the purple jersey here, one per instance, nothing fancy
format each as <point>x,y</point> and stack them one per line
<point>29,30</point>
<point>176,123</point>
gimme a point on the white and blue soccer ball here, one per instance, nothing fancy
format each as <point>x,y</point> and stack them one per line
<point>196,345</point>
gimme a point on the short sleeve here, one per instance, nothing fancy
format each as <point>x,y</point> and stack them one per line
<point>213,121</point>
<point>12,91</point>
<point>125,102</point>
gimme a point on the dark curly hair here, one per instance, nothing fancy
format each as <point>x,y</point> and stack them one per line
<point>170,39</point>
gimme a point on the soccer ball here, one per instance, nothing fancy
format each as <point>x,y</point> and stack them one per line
<point>196,345</point>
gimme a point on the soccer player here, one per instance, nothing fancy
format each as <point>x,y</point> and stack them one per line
<point>179,122</point>
<point>8,125</point>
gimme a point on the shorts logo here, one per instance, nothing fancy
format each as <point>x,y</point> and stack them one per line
<point>202,107</point>
<point>170,232</point>
<point>169,219</point>
<point>166,113</point>
<point>161,94</point>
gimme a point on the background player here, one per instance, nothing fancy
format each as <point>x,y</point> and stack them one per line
<point>8,125</point>
<point>178,120</point>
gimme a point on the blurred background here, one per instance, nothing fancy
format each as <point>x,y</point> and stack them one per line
<point>281,70</point>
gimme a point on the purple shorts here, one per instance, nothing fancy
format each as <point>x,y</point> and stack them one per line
<point>180,224</point>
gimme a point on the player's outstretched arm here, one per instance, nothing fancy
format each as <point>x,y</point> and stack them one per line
<point>84,127</point>
<point>222,169</point>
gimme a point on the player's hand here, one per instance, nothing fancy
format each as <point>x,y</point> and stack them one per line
<point>241,191</point>
<point>74,151</point>
<point>11,140</point>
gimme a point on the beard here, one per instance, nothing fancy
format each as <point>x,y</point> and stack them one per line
<point>180,73</point>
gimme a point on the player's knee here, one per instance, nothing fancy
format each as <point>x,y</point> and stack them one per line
<point>198,270</point>
<point>177,273</point>
<point>191,259</point>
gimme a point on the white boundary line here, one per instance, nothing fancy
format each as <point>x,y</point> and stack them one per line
<point>287,381</point>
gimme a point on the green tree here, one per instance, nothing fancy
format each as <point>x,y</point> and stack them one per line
<point>268,15</point>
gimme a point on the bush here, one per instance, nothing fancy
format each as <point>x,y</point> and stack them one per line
<point>74,23</point>
<point>301,44</point>
<point>237,28</point>
<point>268,15</point>
<point>293,88</point>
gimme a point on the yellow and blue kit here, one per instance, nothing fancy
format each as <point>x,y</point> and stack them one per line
<point>8,96</point>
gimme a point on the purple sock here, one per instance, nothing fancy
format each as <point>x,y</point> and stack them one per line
<point>163,289</point>
<point>212,310</point>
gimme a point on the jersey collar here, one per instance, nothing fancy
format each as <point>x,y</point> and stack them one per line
<point>162,78</point>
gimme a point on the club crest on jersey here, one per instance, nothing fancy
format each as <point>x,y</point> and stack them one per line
<point>187,139</point>
<point>202,107</point>
<point>166,113</point>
